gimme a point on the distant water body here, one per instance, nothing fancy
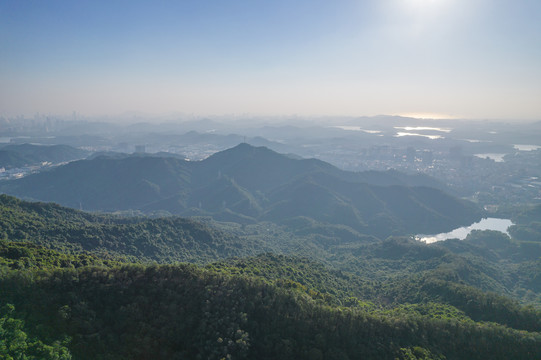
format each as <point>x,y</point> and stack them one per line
<point>492,156</point>
<point>500,157</point>
<point>423,128</point>
<point>461,233</point>
<point>431,137</point>
<point>408,131</point>
<point>527,147</point>
<point>356,128</point>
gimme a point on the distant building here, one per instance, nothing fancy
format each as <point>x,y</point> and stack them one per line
<point>140,149</point>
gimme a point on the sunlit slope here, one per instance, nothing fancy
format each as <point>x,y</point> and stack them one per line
<point>137,239</point>
<point>174,312</point>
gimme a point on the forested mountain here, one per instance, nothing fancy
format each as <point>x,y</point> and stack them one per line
<point>486,260</point>
<point>67,288</point>
<point>164,240</point>
<point>247,184</point>
<point>179,312</point>
<point>528,225</point>
<point>302,271</point>
<point>15,156</point>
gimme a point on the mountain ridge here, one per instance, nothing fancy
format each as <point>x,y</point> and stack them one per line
<point>255,183</point>
<point>20,155</point>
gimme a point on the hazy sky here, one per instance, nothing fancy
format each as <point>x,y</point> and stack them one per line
<point>460,58</point>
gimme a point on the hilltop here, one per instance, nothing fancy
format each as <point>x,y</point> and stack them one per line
<point>20,155</point>
<point>247,184</point>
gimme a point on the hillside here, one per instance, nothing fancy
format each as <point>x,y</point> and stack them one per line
<point>247,184</point>
<point>16,156</point>
<point>164,240</point>
<point>65,275</point>
<point>174,312</point>
<point>489,261</point>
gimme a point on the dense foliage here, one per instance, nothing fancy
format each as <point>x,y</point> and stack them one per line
<point>528,226</point>
<point>347,296</point>
<point>23,255</point>
<point>175,312</point>
<point>15,344</point>
<point>137,239</point>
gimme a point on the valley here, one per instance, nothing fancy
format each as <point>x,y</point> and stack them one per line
<point>270,180</point>
<point>252,253</point>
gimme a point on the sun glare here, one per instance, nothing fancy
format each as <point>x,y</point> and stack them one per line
<point>424,7</point>
<point>417,17</point>
<point>432,116</point>
<point>424,2</point>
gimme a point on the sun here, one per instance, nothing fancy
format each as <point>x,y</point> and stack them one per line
<point>423,5</point>
<point>416,17</point>
<point>424,2</point>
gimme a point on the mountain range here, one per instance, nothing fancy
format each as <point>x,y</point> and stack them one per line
<point>20,155</point>
<point>246,184</point>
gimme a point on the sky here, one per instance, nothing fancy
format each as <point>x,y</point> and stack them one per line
<point>475,59</point>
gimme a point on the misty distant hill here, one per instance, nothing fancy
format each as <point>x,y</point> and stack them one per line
<point>249,184</point>
<point>20,155</point>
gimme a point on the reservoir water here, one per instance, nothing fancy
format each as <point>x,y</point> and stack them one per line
<point>492,156</point>
<point>527,147</point>
<point>461,233</point>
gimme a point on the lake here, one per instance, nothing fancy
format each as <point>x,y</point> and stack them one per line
<point>431,137</point>
<point>417,128</point>
<point>461,233</point>
<point>492,156</point>
<point>527,147</point>
<point>356,128</point>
